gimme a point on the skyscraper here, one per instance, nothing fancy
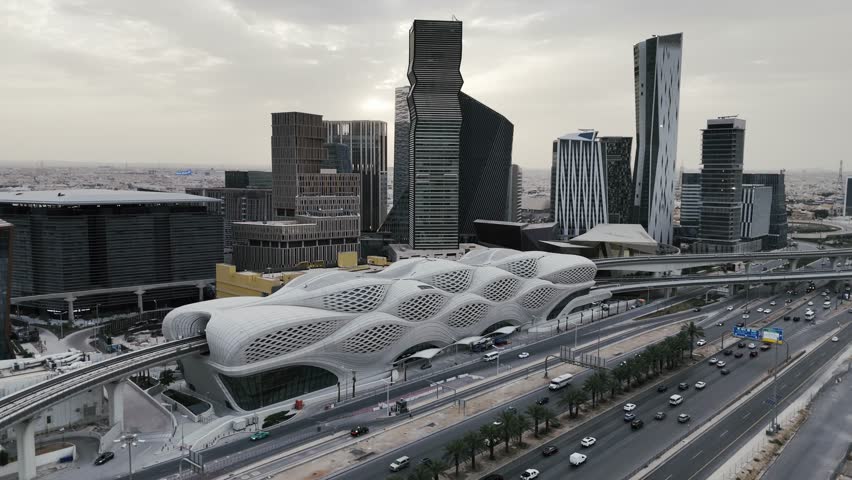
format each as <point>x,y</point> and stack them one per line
<point>433,181</point>
<point>516,194</point>
<point>847,198</point>
<point>368,148</point>
<point>297,148</point>
<point>757,207</point>
<point>396,221</point>
<point>722,147</point>
<point>690,199</point>
<point>6,241</point>
<point>485,165</point>
<point>777,237</point>
<point>656,70</point>
<point>578,199</point>
<point>619,182</point>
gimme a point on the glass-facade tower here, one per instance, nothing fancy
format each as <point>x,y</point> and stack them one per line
<point>722,147</point>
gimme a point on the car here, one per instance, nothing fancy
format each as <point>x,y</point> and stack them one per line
<point>426,461</point>
<point>629,417</point>
<point>549,450</point>
<point>741,324</point>
<point>696,309</point>
<point>682,418</point>
<point>772,303</point>
<point>751,346</point>
<point>767,311</point>
<point>577,458</point>
<point>765,347</point>
<point>629,407</point>
<point>752,354</point>
<point>713,361</point>
<point>738,355</point>
<point>730,308</point>
<point>728,352</point>
<point>700,385</point>
<point>721,364</point>
<point>835,339</point>
<point>259,435</point>
<point>104,458</point>
<point>810,304</point>
<point>512,410</point>
<point>588,442</point>
<point>745,316</point>
<point>759,309</point>
<point>741,344</point>
<point>662,388</point>
<point>786,318</point>
<point>701,342</point>
<point>719,324</point>
<point>425,366</point>
<point>542,400</point>
<point>400,463</point>
<point>683,386</point>
<point>796,319</point>
<point>660,416</point>
<point>725,371</point>
<point>523,354</point>
<point>358,431</point>
<point>637,424</point>
<point>497,423</point>
<point>529,474</point>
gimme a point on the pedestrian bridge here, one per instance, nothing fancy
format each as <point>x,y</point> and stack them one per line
<point>638,285</point>
<point>665,263</point>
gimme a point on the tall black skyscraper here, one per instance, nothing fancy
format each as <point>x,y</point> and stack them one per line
<point>619,182</point>
<point>6,241</point>
<point>656,70</point>
<point>434,73</point>
<point>777,237</point>
<point>396,222</point>
<point>485,165</point>
<point>722,148</point>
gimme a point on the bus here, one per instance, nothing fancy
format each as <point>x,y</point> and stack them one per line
<point>560,382</point>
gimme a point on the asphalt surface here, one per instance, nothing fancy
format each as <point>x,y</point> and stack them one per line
<point>619,450</point>
<point>708,452</point>
<point>822,440</point>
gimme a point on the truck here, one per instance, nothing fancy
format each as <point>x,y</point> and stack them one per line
<point>560,382</point>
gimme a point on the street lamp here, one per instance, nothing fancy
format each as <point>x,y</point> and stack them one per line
<point>128,441</point>
<point>185,418</point>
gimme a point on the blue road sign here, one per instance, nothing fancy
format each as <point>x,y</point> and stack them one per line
<point>749,333</point>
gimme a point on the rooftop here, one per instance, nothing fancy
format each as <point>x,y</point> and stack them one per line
<point>73,197</point>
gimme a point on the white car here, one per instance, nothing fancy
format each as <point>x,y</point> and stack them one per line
<point>701,342</point>
<point>772,303</point>
<point>810,304</point>
<point>713,361</point>
<point>577,458</point>
<point>834,339</point>
<point>767,311</point>
<point>751,346</point>
<point>589,441</point>
<point>745,316</point>
<point>523,354</point>
<point>730,308</point>
<point>759,309</point>
<point>700,385</point>
<point>529,474</point>
<point>720,364</point>
<point>629,407</point>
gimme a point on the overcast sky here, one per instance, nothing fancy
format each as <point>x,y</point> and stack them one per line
<point>192,82</point>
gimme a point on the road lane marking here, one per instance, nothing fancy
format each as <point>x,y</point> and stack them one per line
<point>670,476</point>
<point>723,434</point>
<point>746,415</point>
<point>697,454</point>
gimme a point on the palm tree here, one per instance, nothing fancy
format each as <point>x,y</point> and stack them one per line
<point>622,374</point>
<point>436,468</point>
<point>605,382</point>
<point>455,450</point>
<point>594,387</point>
<point>548,416</point>
<point>535,412</point>
<point>573,399</point>
<point>421,472</point>
<point>522,424</point>
<point>507,420</point>
<point>492,435</point>
<point>692,330</point>
<point>473,443</point>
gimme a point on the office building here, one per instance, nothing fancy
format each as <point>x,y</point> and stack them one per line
<point>484,167</point>
<point>368,148</point>
<point>324,220</point>
<point>74,240</point>
<point>690,199</point>
<point>237,205</point>
<point>847,198</point>
<point>248,179</point>
<point>7,231</point>
<point>396,221</point>
<point>722,147</point>
<point>757,207</point>
<point>578,199</point>
<point>433,172</point>
<point>516,194</point>
<point>656,67</point>
<point>777,237</point>
<point>618,179</point>
<point>338,158</point>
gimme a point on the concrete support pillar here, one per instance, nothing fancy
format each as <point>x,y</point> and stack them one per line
<point>70,301</point>
<point>200,292</point>
<point>25,432</point>
<point>116,403</point>
<point>139,294</point>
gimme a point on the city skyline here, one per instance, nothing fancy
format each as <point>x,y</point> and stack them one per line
<point>215,90</point>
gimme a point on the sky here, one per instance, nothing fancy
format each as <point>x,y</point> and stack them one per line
<point>192,82</point>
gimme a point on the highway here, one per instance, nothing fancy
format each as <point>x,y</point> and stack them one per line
<point>696,260</point>
<point>619,450</point>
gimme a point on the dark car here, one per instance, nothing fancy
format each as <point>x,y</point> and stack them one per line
<point>786,318</point>
<point>549,450</point>
<point>543,400</point>
<point>426,461</point>
<point>738,355</point>
<point>741,324</point>
<point>104,457</point>
<point>725,371</point>
<point>741,345</point>
<point>629,416</point>
<point>425,366</point>
<point>752,353</point>
<point>765,347</point>
<point>501,341</point>
<point>796,319</point>
<point>512,410</point>
<point>728,352</point>
<point>683,386</point>
<point>696,309</point>
<point>358,431</point>
<point>719,324</point>
<point>637,424</point>
<point>660,416</point>
<point>662,388</point>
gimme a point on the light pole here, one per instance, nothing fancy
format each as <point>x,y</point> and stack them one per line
<point>98,320</point>
<point>185,418</point>
<point>128,441</point>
